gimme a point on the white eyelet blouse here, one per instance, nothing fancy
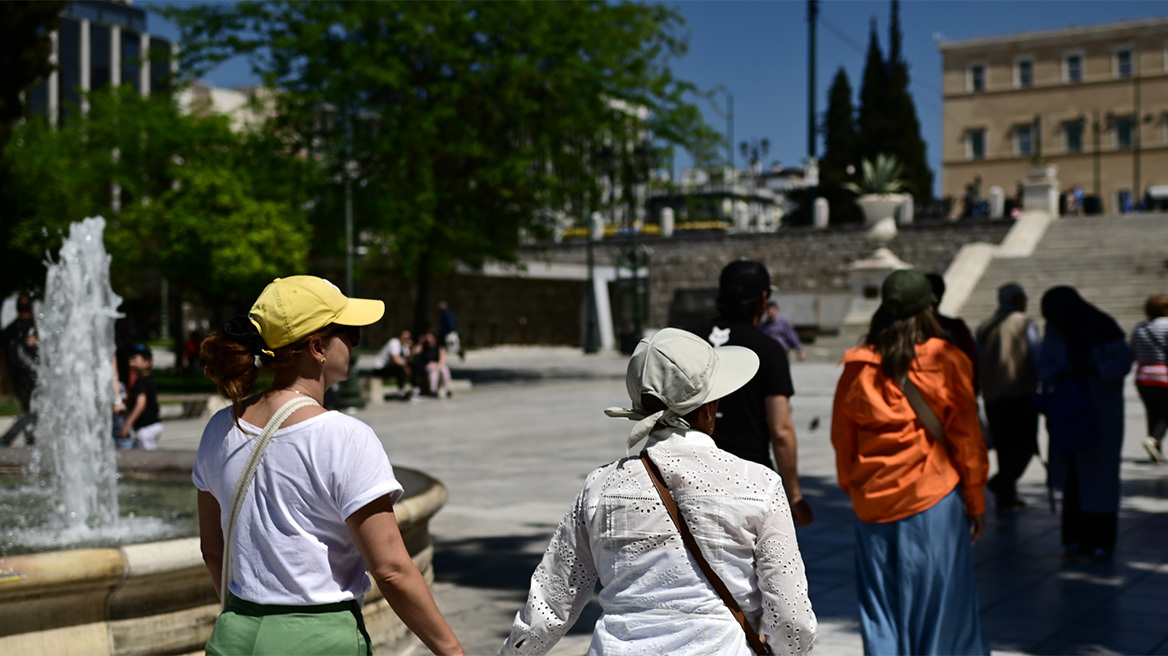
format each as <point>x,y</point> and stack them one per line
<point>654,596</point>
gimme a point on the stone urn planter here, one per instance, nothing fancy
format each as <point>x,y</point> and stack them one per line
<point>880,216</point>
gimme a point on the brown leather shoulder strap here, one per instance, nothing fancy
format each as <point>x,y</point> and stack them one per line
<point>752,638</point>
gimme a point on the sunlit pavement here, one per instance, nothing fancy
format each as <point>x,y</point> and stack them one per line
<point>515,448</point>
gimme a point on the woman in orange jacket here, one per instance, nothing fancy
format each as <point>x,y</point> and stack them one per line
<point>919,496</point>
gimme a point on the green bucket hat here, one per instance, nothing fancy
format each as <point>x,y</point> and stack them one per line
<point>906,292</point>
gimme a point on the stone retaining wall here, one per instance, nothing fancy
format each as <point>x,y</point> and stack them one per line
<point>802,260</point>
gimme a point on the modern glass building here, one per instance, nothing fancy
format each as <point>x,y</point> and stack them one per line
<point>100,42</point>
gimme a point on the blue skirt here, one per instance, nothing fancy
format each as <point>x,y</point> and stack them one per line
<point>915,583</point>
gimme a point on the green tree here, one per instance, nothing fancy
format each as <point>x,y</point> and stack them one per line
<point>25,47</point>
<point>185,198</point>
<point>908,147</point>
<point>24,55</point>
<point>876,127</point>
<point>488,115</point>
<point>841,151</point>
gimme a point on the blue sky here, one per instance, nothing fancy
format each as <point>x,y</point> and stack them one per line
<point>758,50</point>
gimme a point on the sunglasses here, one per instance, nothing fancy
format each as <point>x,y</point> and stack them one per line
<point>351,334</point>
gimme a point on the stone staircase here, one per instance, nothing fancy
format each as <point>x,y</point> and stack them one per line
<point>1114,261</point>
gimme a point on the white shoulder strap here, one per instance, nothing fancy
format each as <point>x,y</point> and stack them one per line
<point>246,476</point>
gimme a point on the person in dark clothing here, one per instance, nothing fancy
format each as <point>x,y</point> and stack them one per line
<point>431,373</point>
<point>1081,365</point>
<point>448,331</point>
<point>955,329</point>
<point>754,422</point>
<point>143,414</point>
<point>20,356</point>
<point>1008,344</point>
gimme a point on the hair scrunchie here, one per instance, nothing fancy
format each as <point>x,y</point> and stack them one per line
<point>242,331</point>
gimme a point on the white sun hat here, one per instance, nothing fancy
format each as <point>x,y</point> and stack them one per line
<point>684,372</point>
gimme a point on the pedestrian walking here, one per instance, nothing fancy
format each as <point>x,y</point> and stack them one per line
<point>755,421</point>
<point>910,453</point>
<point>296,503</point>
<point>448,331</point>
<point>20,359</point>
<point>1009,343</point>
<point>956,330</point>
<point>1149,341</point>
<point>1081,365</point>
<point>645,527</point>
<point>779,328</point>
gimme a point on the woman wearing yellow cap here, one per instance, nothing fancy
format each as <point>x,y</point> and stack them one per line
<point>296,503</point>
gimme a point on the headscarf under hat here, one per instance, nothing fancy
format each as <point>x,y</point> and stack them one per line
<point>684,372</point>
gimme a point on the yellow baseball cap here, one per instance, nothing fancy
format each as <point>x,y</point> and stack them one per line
<point>292,308</point>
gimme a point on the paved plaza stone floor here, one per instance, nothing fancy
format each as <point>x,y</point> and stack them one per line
<point>514,450</point>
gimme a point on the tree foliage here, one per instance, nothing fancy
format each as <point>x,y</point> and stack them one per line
<point>24,55</point>
<point>909,147</point>
<point>841,151</point>
<point>181,194</point>
<point>887,118</point>
<point>486,117</point>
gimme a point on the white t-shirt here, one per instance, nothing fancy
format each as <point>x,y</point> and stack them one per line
<point>291,545</point>
<point>385,355</point>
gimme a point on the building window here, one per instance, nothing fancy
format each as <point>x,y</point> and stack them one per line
<point>1024,73</point>
<point>1073,67</point>
<point>1073,134</point>
<point>977,78</point>
<point>1124,131</point>
<point>1024,140</point>
<point>975,143</point>
<point>1123,62</point>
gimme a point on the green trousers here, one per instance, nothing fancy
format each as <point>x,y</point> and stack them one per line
<point>249,628</point>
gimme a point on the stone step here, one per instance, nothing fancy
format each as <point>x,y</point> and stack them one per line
<point>1114,262</point>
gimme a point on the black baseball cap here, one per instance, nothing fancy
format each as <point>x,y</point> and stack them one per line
<point>743,280</point>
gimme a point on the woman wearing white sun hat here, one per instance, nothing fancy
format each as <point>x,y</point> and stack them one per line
<point>621,531</point>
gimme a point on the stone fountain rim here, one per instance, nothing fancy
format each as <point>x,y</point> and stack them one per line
<point>179,463</point>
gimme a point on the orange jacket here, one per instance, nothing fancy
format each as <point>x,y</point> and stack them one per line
<point>884,457</point>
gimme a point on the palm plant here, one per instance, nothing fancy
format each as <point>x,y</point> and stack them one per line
<point>882,176</point>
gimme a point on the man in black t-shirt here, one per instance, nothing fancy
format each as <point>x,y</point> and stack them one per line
<point>755,422</point>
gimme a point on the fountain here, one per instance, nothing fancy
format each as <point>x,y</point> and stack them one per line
<point>74,397</point>
<point>131,595</point>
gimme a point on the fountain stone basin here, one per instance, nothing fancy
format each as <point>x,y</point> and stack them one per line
<point>157,597</point>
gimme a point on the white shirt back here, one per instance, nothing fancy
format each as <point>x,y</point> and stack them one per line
<point>655,600</point>
<point>291,545</point>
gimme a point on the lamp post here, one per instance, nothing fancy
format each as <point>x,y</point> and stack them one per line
<point>591,338</point>
<point>350,393</point>
<point>754,151</point>
<point>642,160</point>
